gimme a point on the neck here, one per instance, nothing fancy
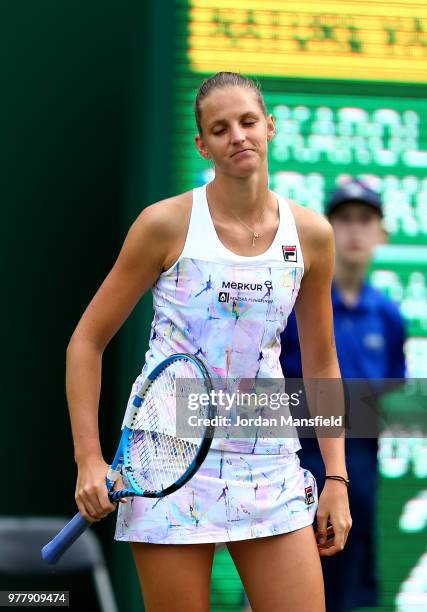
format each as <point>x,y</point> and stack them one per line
<point>349,279</point>
<point>245,197</point>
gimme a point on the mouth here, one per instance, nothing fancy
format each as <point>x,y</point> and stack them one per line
<point>241,151</point>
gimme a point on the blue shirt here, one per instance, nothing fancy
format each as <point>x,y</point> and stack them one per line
<point>369,337</point>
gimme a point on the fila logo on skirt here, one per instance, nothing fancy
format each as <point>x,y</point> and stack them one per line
<point>309,497</point>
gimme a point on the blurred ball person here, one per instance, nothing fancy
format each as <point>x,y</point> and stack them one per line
<point>370,335</point>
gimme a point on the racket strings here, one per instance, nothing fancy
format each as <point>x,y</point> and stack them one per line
<point>162,459</point>
<point>157,457</point>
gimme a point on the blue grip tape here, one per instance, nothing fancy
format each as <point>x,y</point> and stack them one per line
<point>54,550</point>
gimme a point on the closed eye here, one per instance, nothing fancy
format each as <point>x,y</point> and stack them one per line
<point>246,122</point>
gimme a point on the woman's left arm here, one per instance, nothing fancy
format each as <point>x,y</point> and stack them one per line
<point>313,310</point>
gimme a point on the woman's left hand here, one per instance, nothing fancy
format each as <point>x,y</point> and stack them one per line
<point>334,509</point>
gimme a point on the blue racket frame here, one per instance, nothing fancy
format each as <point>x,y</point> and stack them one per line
<point>53,551</point>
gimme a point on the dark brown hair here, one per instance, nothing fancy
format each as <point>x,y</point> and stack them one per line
<point>225,79</point>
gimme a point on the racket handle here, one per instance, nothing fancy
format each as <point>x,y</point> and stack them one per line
<point>54,549</point>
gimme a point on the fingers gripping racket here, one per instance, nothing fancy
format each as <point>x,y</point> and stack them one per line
<point>150,457</point>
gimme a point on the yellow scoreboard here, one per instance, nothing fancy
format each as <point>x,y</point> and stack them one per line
<point>365,39</point>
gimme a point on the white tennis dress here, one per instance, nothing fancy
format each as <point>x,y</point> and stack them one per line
<point>230,311</point>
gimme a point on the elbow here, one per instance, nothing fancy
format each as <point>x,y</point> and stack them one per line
<point>78,342</point>
<point>73,342</point>
<point>322,367</point>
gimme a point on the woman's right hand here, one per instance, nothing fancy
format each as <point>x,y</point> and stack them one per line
<point>91,490</point>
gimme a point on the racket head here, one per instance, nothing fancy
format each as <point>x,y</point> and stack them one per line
<point>193,453</point>
<point>155,462</point>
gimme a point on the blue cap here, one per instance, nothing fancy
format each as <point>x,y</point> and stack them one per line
<point>354,191</point>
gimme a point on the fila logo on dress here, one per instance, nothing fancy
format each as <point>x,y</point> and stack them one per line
<point>289,252</point>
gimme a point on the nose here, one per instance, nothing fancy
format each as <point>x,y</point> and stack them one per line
<point>357,225</point>
<point>237,134</point>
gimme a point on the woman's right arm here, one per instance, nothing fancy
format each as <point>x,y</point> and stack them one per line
<point>139,264</point>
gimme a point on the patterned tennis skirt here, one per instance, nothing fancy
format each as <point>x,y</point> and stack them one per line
<point>233,496</point>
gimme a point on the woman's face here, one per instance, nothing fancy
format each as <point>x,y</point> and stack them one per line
<point>235,131</point>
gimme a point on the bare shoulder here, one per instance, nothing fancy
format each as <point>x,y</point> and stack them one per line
<point>166,216</point>
<point>161,228</point>
<point>310,224</point>
<point>315,233</point>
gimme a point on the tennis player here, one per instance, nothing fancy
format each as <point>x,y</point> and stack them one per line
<point>226,263</point>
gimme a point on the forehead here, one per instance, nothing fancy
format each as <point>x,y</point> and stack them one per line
<point>354,209</point>
<point>226,102</point>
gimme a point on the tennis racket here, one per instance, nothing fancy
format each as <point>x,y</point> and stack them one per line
<point>153,461</point>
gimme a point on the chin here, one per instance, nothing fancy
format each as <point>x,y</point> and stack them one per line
<point>244,170</point>
<point>359,259</point>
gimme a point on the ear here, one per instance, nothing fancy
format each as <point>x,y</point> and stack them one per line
<point>270,127</point>
<point>201,147</point>
<point>382,234</point>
